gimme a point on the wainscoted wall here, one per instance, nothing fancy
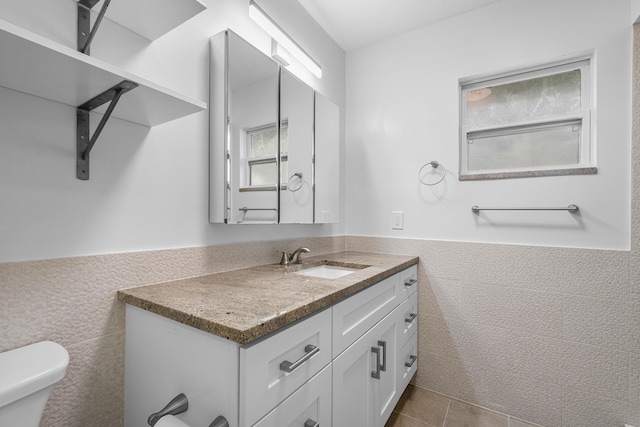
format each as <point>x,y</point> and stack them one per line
<point>72,301</point>
<point>545,334</point>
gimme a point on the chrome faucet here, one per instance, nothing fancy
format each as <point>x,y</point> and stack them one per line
<point>294,258</point>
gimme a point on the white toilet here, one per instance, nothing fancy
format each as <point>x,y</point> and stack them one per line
<point>27,377</point>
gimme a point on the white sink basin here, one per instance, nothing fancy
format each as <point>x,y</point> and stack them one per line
<point>327,271</point>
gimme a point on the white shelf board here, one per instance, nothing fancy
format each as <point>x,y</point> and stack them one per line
<point>152,18</point>
<point>38,66</point>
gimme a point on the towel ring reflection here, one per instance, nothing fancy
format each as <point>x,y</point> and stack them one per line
<point>300,182</point>
<point>435,165</point>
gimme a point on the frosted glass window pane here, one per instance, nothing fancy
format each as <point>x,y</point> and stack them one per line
<point>265,173</point>
<point>555,146</point>
<point>548,96</point>
<point>263,143</point>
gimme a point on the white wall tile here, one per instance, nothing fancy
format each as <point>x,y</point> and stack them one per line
<point>605,323</point>
<point>634,378</point>
<point>522,310</point>
<point>495,389</point>
<point>439,297</point>
<point>598,273</point>
<point>595,369</point>
<point>91,394</point>
<point>582,409</point>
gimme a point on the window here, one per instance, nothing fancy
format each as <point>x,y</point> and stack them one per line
<point>262,146</point>
<point>533,122</point>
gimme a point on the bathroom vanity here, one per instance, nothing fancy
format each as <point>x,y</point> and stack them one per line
<point>271,346</point>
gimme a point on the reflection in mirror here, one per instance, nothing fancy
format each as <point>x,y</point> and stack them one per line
<point>327,153</point>
<point>296,147</point>
<point>249,136</point>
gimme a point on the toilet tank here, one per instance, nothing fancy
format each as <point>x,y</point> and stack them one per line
<point>27,376</point>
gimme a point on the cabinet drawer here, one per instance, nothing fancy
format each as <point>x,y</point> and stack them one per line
<point>408,281</point>
<point>407,318</point>
<point>264,381</point>
<point>309,405</point>
<point>358,313</point>
<point>407,362</point>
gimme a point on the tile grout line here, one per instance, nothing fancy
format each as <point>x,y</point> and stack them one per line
<point>446,414</point>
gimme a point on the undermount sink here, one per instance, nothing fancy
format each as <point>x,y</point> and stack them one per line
<point>327,271</point>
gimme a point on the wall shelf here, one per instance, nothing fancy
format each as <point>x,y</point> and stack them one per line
<point>38,66</point>
<point>153,18</point>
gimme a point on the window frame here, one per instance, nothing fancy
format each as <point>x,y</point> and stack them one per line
<point>249,161</point>
<point>586,157</point>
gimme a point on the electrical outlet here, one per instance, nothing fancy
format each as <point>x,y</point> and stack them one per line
<point>397,220</point>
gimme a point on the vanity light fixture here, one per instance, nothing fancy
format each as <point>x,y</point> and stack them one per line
<point>280,54</point>
<point>283,39</point>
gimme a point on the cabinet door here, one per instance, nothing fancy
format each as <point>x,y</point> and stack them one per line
<point>363,393</point>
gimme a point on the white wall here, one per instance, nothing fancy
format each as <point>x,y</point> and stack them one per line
<point>148,186</point>
<point>402,100</point>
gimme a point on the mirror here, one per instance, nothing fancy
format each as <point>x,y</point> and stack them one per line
<point>243,158</point>
<point>266,129</point>
<point>296,146</point>
<point>327,164</point>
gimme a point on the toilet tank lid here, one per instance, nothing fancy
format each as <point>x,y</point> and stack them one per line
<point>29,369</point>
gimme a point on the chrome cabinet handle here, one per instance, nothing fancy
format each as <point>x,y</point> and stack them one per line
<point>309,350</point>
<point>410,282</point>
<point>412,360</point>
<point>376,374</point>
<point>311,423</point>
<point>411,317</point>
<point>383,344</point>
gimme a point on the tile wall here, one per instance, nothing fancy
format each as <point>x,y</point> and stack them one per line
<point>72,301</point>
<point>548,335</point>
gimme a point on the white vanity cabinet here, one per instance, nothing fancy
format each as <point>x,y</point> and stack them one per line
<point>346,365</point>
<point>369,375</point>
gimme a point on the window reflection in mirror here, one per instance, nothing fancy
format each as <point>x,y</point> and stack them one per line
<point>252,134</point>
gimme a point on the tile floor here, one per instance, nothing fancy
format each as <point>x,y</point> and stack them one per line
<point>419,407</point>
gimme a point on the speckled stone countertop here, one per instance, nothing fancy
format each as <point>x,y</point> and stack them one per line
<point>244,305</point>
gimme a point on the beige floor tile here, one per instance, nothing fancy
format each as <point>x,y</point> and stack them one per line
<point>423,405</point>
<point>514,422</point>
<point>463,415</point>
<point>399,420</point>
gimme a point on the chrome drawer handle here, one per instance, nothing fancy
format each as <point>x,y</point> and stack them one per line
<point>309,350</point>
<point>411,317</point>
<point>376,374</point>
<point>412,360</point>
<point>311,423</point>
<point>410,282</point>
<point>383,344</point>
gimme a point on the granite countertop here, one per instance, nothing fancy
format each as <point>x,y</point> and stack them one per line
<point>244,305</point>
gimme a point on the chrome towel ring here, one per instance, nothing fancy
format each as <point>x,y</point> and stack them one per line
<point>435,165</point>
<point>292,186</point>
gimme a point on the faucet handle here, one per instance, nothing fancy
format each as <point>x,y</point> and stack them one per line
<point>285,257</point>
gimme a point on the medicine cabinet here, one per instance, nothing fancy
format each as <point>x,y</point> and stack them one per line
<point>273,141</point>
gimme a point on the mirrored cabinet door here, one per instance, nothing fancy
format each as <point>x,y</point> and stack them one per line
<point>274,154</point>
<point>296,147</point>
<point>327,164</point>
<point>246,146</point>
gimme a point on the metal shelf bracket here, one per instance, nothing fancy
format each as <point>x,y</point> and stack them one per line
<point>85,32</point>
<point>84,143</point>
